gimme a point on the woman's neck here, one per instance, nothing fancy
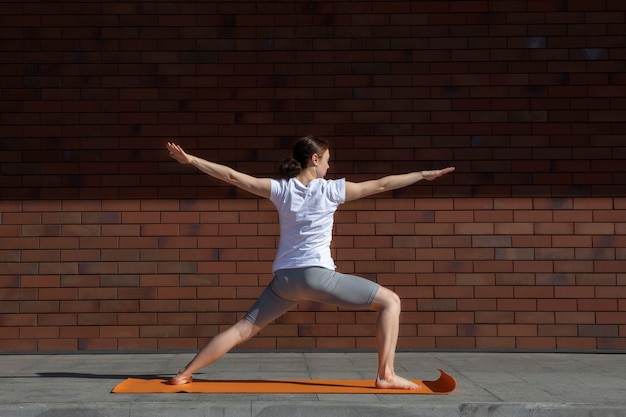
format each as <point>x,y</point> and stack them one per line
<point>307,175</point>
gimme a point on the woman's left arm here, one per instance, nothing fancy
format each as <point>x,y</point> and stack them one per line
<point>259,186</point>
<point>356,190</point>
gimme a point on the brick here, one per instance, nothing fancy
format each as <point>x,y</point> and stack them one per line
<point>607,241</point>
<point>119,332</point>
<point>159,331</point>
<point>454,216</point>
<point>92,242</point>
<point>554,228</point>
<point>334,343</point>
<point>431,254</point>
<point>495,224</point>
<point>517,305</point>
<point>137,319</point>
<point>597,254</point>
<point>454,292</point>
<point>57,345</point>
<point>498,216</point>
<point>474,228</point>
<point>514,228</point>
<point>12,281</point>
<point>594,228</point>
<point>516,253</point>
<point>573,266</point>
<point>609,266</point>
<point>573,317</point>
<point>610,343</point>
<point>437,330</point>
<point>555,253</point>
<point>97,293</point>
<point>15,243</point>
<point>437,305</point>
<point>6,231</point>
<point>558,331</point>
<point>58,294</point>
<point>608,280</point>
<point>493,266</point>
<point>517,330</point>
<point>571,241</point>
<point>491,241</point>
<point>129,306</point>
<point>479,331</point>
<point>598,330</point>
<point>576,343</point>
<point>574,292</point>
<point>609,318</point>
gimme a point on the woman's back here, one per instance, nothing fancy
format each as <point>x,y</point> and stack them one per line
<point>306,221</point>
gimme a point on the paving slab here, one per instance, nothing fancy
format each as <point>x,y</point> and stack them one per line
<point>516,384</point>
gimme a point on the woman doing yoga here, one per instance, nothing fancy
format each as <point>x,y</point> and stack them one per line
<point>303,268</point>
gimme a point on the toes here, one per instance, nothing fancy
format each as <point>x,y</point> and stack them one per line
<point>397,383</point>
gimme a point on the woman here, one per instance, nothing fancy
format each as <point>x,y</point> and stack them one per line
<point>303,268</point>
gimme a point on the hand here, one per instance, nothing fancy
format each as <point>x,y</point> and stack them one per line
<point>178,154</point>
<point>431,175</point>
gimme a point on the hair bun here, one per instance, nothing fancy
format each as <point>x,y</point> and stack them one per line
<point>290,168</point>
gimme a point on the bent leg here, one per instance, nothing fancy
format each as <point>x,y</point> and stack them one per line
<point>350,291</point>
<point>388,305</point>
<point>216,348</point>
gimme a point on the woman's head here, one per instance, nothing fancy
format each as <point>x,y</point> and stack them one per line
<point>308,151</point>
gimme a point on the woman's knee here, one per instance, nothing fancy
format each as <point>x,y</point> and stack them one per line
<point>387,299</point>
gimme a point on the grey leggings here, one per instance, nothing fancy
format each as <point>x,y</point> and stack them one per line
<point>322,285</point>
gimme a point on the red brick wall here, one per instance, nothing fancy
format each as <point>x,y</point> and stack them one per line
<point>107,244</point>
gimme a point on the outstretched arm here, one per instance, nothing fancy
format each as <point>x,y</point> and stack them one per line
<point>258,186</point>
<point>356,190</point>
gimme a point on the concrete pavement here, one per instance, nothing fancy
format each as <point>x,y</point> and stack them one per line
<point>489,384</point>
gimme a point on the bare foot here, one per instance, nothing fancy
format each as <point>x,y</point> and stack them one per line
<point>396,382</point>
<point>180,379</point>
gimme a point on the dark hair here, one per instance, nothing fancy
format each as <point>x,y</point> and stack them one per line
<point>302,152</point>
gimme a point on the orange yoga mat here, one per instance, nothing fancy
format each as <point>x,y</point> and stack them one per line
<point>444,385</point>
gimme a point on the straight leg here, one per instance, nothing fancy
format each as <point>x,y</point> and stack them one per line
<point>388,305</point>
<point>215,349</point>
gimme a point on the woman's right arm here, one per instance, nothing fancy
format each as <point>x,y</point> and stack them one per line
<point>356,190</point>
<point>258,186</point>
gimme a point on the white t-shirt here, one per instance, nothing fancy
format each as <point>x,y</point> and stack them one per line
<point>306,221</point>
